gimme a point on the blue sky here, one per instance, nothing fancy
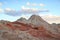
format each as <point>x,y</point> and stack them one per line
<point>18,7</point>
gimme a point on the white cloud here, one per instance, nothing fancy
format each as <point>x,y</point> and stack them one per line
<point>23,7</point>
<point>1,10</point>
<point>9,9</point>
<point>34,4</point>
<point>41,4</point>
<point>24,10</point>
<point>28,3</point>
<point>51,18</point>
<point>32,10</point>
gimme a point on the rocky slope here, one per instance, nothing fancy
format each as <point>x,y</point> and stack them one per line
<point>35,28</point>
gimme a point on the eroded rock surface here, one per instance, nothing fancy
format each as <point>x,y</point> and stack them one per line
<point>35,28</point>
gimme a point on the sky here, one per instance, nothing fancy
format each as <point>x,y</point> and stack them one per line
<point>12,10</point>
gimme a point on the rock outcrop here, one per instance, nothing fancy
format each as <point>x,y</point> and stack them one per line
<point>35,28</point>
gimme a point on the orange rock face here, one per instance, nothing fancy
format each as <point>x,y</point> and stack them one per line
<point>10,25</point>
<point>42,32</point>
<point>18,26</point>
<point>0,27</point>
<point>35,32</point>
